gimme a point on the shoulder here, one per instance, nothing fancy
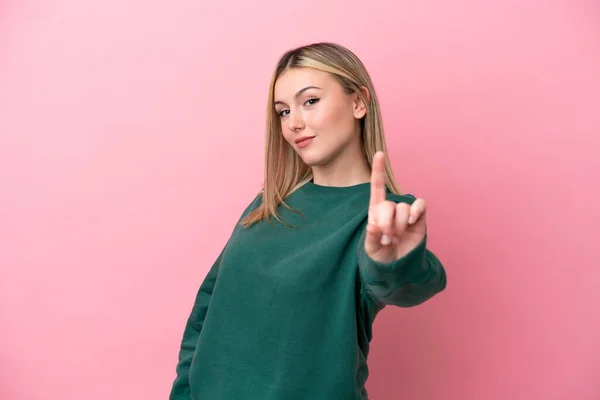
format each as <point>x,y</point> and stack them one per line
<point>256,200</point>
<point>253,205</point>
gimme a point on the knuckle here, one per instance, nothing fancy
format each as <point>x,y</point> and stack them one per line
<point>403,207</point>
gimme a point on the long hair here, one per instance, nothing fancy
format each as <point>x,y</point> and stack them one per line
<point>284,170</point>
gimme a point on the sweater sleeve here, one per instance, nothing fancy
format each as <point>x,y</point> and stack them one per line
<point>406,282</point>
<point>181,386</point>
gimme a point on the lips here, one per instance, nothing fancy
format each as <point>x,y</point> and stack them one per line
<point>303,139</point>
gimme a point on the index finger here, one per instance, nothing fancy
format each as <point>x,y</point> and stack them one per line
<point>378,179</point>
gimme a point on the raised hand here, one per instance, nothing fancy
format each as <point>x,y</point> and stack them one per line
<point>394,229</point>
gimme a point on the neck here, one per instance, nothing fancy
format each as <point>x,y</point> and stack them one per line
<point>348,168</point>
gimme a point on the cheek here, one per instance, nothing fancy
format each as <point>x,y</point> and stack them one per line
<point>287,135</point>
<point>335,119</point>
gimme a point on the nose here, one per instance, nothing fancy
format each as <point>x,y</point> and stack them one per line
<point>295,123</point>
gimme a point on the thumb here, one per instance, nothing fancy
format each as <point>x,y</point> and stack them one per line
<point>373,240</point>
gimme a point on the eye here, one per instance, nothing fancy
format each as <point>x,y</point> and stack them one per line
<point>312,101</point>
<point>282,113</point>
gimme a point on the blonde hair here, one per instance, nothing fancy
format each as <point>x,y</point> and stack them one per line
<point>284,170</point>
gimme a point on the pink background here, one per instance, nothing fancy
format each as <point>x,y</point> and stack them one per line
<point>131,137</point>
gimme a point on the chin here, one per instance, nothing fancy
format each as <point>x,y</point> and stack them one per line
<point>313,159</point>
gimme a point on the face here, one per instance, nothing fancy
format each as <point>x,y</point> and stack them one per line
<point>318,118</point>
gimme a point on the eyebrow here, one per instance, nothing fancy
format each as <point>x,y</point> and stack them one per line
<point>298,93</point>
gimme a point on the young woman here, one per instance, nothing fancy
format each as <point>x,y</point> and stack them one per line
<point>286,311</point>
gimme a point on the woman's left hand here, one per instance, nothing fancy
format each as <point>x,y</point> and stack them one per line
<point>394,229</point>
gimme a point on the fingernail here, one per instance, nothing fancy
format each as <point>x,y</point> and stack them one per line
<point>385,240</point>
<point>411,219</point>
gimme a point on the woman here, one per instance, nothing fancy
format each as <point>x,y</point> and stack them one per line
<point>286,311</point>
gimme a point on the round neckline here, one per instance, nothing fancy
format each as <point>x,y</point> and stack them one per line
<point>312,188</point>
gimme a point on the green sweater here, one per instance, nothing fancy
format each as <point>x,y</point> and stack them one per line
<point>286,313</point>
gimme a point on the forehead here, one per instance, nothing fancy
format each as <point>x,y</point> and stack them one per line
<point>295,79</point>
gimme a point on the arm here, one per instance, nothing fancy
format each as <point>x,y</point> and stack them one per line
<point>191,333</point>
<point>181,386</point>
<point>406,282</point>
<point>395,265</point>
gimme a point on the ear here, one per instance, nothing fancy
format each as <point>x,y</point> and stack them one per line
<point>360,106</point>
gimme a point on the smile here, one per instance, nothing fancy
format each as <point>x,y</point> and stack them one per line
<point>305,141</point>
